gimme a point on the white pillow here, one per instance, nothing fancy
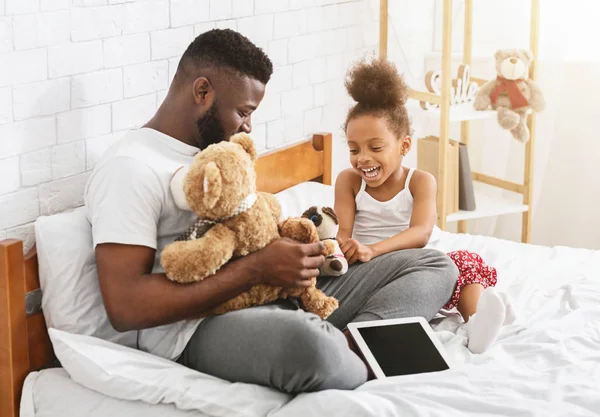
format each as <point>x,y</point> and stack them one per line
<point>130,374</point>
<point>71,298</point>
<point>295,200</point>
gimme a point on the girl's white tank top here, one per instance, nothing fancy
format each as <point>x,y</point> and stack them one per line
<point>377,220</point>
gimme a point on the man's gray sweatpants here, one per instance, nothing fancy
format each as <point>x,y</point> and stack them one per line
<point>286,348</point>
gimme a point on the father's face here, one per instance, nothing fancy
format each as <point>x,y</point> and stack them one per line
<point>235,99</point>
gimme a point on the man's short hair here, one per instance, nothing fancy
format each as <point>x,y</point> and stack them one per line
<point>225,49</point>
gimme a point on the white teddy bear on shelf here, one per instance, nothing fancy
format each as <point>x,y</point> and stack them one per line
<point>511,93</point>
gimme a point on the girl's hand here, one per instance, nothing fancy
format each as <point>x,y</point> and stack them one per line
<point>355,251</point>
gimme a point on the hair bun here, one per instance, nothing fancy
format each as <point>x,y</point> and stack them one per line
<point>376,84</point>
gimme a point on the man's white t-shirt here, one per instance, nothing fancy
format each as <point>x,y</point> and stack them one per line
<point>128,201</point>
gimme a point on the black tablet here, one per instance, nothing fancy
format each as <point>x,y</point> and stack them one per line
<point>399,346</point>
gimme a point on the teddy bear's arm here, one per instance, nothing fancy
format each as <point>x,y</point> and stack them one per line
<point>193,260</point>
<point>536,101</point>
<point>482,98</point>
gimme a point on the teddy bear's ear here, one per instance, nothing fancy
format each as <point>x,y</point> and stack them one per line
<point>331,213</point>
<point>212,184</point>
<point>246,142</point>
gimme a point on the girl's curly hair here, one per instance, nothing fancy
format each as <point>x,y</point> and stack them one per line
<point>378,90</point>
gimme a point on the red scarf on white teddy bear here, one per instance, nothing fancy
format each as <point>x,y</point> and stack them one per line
<point>515,95</point>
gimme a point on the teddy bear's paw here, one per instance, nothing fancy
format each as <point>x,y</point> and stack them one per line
<point>507,118</point>
<point>520,133</point>
<point>315,301</point>
<point>482,102</point>
<point>328,248</point>
<point>329,305</point>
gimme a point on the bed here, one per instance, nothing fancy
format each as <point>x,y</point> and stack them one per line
<point>546,363</point>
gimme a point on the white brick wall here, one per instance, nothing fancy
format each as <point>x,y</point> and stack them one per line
<point>97,88</point>
<point>36,167</point>
<point>126,50</point>
<point>74,58</point>
<point>145,78</point>
<point>19,208</point>
<point>41,29</point>
<point>42,98</point>
<point>88,23</point>
<point>145,16</point>
<point>9,172</point>
<point>133,112</point>
<point>21,67</point>
<point>75,75</point>
<point>61,195</point>
<point>171,42</point>
<point>220,9</point>
<point>6,40</point>
<point>68,159</point>
<point>83,123</point>
<point>21,6</point>
<point>297,100</point>
<point>275,133</point>
<point>6,112</point>
<point>27,136</point>
<point>188,12</point>
<point>49,5</point>
<point>270,6</point>
<point>257,28</point>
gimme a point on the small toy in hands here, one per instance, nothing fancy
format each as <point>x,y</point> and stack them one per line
<point>234,220</point>
<point>326,222</point>
<point>511,94</point>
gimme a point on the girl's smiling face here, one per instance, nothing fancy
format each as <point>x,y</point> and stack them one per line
<point>375,151</point>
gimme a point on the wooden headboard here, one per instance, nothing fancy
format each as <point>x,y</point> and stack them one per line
<point>24,342</point>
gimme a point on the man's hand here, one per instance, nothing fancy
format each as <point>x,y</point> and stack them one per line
<point>288,264</point>
<point>355,251</point>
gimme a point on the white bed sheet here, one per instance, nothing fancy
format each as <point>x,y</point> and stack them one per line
<point>546,364</point>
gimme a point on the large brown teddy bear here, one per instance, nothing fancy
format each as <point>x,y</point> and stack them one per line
<point>511,94</point>
<point>234,220</point>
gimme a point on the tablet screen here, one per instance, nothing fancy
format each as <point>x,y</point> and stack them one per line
<point>402,349</point>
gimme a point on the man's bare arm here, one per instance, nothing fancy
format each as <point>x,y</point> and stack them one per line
<point>136,299</point>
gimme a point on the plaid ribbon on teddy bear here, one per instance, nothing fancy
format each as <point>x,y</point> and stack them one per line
<point>201,226</point>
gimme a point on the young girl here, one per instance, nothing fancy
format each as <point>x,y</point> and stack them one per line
<point>384,207</point>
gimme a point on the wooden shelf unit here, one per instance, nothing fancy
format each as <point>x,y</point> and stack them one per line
<point>487,206</point>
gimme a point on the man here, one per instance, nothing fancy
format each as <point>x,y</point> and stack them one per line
<point>220,81</point>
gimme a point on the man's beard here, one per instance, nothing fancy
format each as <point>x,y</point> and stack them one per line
<point>209,128</point>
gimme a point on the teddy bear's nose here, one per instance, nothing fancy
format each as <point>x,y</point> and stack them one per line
<point>513,60</point>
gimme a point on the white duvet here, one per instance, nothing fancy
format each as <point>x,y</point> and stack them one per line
<point>546,364</point>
